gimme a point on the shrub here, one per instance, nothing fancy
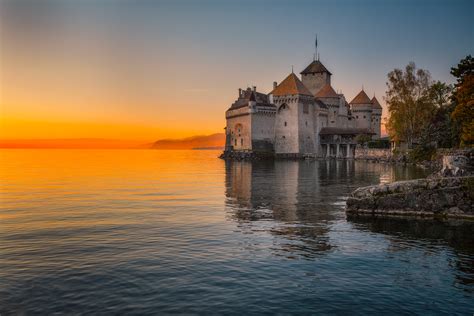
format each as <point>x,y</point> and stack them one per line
<point>379,143</point>
<point>422,153</point>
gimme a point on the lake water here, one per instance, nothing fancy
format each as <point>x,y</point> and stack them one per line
<point>148,232</point>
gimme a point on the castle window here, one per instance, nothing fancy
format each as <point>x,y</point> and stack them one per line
<point>357,116</point>
<point>241,142</point>
<point>285,124</point>
<point>284,106</point>
<point>235,142</point>
<point>306,123</point>
<point>283,137</point>
<point>364,116</point>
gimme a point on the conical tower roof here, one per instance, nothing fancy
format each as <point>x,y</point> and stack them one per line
<point>315,67</point>
<point>326,92</point>
<point>291,85</point>
<point>361,98</point>
<point>375,103</point>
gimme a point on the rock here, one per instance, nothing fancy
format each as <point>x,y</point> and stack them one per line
<point>450,196</point>
<point>454,166</point>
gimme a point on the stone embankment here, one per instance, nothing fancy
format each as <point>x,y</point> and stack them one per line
<point>244,155</point>
<point>373,154</point>
<point>447,193</point>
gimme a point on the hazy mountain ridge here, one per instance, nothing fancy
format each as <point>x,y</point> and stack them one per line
<point>213,141</point>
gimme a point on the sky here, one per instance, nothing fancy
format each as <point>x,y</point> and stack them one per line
<point>142,70</point>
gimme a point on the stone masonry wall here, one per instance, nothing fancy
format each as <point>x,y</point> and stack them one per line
<point>373,154</point>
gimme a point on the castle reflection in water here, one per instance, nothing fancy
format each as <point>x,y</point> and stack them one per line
<point>301,204</point>
<point>299,200</point>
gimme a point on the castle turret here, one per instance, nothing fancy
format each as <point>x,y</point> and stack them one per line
<point>294,123</point>
<point>315,76</point>
<point>361,109</point>
<point>329,97</point>
<point>376,117</point>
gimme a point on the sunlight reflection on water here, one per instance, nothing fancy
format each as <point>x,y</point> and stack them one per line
<point>143,231</point>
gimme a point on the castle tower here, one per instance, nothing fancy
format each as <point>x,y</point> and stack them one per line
<point>376,117</point>
<point>332,100</point>
<point>315,76</point>
<point>294,123</point>
<point>361,108</point>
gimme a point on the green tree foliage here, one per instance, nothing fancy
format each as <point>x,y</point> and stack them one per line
<point>440,130</point>
<point>363,139</point>
<point>409,99</point>
<point>463,97</point>
<point>379,143</point>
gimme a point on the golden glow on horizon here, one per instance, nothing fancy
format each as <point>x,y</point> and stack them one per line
<point>19,128</point>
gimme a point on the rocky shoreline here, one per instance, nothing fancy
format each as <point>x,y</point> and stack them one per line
<point>448,193</point>
<point>437,197</point>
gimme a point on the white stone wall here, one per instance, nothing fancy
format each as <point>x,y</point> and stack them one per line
<point>362,116</point>
<point>263,125</point>
<point>240,128</point>
<point>376,122</point>
<point>320,120</point>
<point>307,137</point>
<point>286,125</point>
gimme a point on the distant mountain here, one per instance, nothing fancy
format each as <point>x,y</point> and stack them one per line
<point>214,141</point>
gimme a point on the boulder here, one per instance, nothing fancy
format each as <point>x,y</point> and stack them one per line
<point>449,196</point>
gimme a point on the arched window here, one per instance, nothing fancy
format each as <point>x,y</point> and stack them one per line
<point>282,107</point>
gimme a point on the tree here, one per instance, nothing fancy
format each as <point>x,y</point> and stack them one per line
<point>409,99</point>
<point>363,139</point>
<point>463,97</point>
<point>440,130</point>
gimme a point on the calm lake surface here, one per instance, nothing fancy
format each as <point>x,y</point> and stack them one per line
<point>148,232</point>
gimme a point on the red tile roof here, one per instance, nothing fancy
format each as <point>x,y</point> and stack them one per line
<point>291,85</point>
<point>375,103</point>
<point>326,92</point>
<point>361,98</point>
<point>315,67</point>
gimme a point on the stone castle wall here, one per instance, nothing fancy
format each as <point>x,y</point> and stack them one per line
<point>373,154</point>
<point>362,116</point>
<point>286,125</point>
<point>263,126</point>
<point>240,128</point>
<point>314,82</point>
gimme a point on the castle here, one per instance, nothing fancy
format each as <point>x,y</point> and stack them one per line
<point>300,118</point>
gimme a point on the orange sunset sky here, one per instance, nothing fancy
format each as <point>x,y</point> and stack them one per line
<point>138,71</point>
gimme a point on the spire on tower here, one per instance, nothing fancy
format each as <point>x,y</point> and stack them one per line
<point>316,47</point>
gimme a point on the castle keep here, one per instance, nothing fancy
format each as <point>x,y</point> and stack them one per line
<point>300,118</point>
